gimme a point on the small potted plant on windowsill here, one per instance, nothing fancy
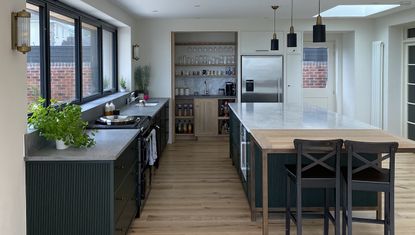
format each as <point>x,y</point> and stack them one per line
<point>60,123</point>
<point>142,80</point>
<point>123,85</point>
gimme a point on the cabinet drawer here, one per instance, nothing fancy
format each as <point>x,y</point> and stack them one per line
<point>127,216</point>
<point>124,163</point>
<point>126,192</point>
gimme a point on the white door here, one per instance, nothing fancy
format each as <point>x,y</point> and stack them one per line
<point>409,108</point>
<point>318,75</point>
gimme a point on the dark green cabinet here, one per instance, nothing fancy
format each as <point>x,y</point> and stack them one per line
<point>161,120</point>
<point>82,197</point>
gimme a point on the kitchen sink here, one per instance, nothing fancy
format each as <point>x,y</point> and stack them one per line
<point>148,104</point>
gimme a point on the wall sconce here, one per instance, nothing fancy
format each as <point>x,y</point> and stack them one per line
<point>136,50</point>
<point>21,31</point>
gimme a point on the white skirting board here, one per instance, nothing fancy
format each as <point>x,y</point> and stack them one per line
<point>376,115</point>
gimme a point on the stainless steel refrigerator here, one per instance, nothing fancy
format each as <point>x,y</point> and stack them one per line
<point>262,78</point>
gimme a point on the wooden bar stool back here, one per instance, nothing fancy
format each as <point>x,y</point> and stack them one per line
<point>369,175</point>
<point>318,166</point>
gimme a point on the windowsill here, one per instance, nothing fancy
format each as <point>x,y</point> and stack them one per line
<point>95,103</point>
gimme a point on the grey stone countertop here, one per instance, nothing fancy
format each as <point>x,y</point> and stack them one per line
<point>134,109</point>
<point>184,97</point>
<point>283,116</point>
<point>109,146</point>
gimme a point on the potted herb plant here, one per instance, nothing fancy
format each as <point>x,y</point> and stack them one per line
<point>123,85</point>
<point>60,123</point>
<point>142,80</point>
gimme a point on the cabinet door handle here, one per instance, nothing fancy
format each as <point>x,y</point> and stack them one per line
<point>120,198</point>
<point>120,167</point>
<point>261,50</point>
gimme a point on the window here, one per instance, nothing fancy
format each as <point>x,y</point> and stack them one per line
<point>73,59</point>
<point>90,69</point>
<point>33,89</point>
<point>62,57</point>
<point>107,59</point>
<point>315,67</point>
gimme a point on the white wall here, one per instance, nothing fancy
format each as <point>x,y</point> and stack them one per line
<point>348,81</point>
<point>13,115</point>
<point>155,39</point>
<point>12,126</point>
<point>388,29</point>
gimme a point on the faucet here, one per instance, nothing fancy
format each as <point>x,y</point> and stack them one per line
<point>206,89</point>
<point>132,98</point>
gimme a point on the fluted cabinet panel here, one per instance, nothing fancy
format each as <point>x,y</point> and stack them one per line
<point>68,198</point>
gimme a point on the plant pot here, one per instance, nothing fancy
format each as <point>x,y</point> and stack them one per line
<point>60,145</point>
<point>123,90</point>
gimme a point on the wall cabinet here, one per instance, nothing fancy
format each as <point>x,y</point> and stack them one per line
<point>260,42</point>
<point>205,117</point>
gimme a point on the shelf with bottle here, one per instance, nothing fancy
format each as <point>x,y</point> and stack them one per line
<point>184,110</point>
<point>223,72</point>
<point>223,108</point>
<point>223,127</point>
<point>184,127</point>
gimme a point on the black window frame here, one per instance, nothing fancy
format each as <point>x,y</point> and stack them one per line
<point>45,6</point>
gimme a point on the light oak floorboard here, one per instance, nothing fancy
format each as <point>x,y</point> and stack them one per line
<point>196,191</point>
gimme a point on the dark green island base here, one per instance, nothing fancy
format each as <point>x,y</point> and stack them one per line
<point>312,198</point>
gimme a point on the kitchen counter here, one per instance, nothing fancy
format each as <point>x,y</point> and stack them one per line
<point>186,97</point>
<point>109,145</point>
<point>277,116</point>
<point>134,110</point>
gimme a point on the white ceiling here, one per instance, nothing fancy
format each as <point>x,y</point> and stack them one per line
<point>303,9</point>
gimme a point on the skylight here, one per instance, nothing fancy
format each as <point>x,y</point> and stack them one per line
<point>357,10</point>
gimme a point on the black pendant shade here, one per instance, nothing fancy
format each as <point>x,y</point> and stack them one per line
<point>274,40</point>
<point>292,40</point>
<point>319,29</point>
<point>319,33</point>
<point>292,37</point>
<point>274,44</point>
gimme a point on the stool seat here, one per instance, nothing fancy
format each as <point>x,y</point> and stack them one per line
<point>369,175</point>
<point>315,172</point>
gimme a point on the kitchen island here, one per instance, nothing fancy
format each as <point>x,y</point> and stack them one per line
<point>261,144</point>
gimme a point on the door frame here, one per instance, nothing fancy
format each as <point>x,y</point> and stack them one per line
<point>405,46</point>
<point>332,62</point>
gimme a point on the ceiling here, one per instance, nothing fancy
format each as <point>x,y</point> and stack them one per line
<point>210,9</point>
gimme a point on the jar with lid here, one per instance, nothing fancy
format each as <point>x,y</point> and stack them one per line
<point>184,128</point>
<point>190,127</point>
<point>185,110</point>
<point>179,128</point>
<point>190,110</point>
<point>179,110</point>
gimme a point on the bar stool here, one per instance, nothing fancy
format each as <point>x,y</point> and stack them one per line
<point>369,176</point>
<point>315,168</point>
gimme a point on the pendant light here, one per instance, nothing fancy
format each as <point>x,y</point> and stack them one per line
<point>274,40</point>
<point>319,30</point>
<point>292,37</point>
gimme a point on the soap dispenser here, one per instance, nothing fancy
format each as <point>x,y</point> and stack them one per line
<point>107,109</point>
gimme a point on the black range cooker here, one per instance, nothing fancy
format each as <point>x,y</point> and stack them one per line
<point>144,124</point>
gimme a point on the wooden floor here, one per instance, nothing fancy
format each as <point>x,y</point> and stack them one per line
<point>197,191</point>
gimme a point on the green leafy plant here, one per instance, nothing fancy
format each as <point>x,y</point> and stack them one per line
<point>142,78</point>
<point>60,122</point>
<point>123,84</point>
